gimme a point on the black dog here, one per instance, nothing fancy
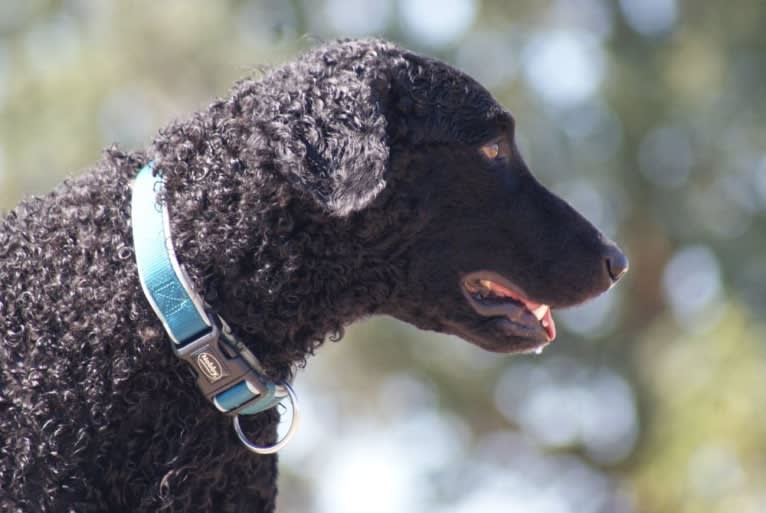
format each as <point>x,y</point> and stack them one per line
<point>361,179</point>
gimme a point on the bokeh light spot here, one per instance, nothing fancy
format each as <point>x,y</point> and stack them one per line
<point>563,67</point>
<point>562,403</point>
<point>358,17</point>
<point>592,16</point>
<point>650,17</point>
<point>384,466</point>
<point>437,22</point>
<point>692,285</point>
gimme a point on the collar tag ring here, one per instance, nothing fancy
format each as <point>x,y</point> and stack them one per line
<point>282,388</point>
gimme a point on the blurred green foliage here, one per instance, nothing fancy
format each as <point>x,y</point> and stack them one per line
<point>649,116</point>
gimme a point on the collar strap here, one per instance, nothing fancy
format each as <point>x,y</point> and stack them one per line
<point>228,374</point>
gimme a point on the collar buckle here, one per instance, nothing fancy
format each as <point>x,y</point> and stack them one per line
<point>218,370</point>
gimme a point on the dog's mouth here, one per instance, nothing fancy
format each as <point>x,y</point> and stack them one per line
<point>492,296</point>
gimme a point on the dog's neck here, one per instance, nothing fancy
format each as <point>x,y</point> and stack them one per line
<point>282,280</point>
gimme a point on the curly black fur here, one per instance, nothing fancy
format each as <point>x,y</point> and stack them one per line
<point>344,184</point>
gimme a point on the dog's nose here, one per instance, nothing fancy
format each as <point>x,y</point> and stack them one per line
<point>616,262</point>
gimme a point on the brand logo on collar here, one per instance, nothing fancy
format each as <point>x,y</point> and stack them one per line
<point>209,366</point>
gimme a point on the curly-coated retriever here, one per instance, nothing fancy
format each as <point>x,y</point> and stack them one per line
<point>360,179</point>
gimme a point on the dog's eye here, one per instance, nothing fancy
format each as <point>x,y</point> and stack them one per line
<point>495,150</point>
<point>491,151</point>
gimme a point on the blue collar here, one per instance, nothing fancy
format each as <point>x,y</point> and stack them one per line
<point>228,374</point>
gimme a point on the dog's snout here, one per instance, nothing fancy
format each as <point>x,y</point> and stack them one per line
<point>616,262</point>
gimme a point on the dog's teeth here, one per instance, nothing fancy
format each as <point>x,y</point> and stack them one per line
<point>545,324</point>
<point>540,312</point>
<point>486,284</point>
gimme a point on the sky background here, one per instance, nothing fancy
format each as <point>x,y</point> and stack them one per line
<point>647,115</point>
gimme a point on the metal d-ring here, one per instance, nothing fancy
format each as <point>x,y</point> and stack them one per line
<point>271,449</point>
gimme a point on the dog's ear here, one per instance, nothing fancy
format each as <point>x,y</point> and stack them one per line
<point>329,141</point>
<point>345,153</point>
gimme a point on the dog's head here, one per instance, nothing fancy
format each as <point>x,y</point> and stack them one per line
<point>497,251</point>
<point>489,250</point>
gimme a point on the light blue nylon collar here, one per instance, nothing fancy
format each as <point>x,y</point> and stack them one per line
<point>235,385</point>
<point>164,282</point>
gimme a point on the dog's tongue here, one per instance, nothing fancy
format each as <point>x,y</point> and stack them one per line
<point>546,321</point>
